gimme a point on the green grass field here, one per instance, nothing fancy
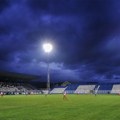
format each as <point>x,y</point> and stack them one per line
<point>53,107</point>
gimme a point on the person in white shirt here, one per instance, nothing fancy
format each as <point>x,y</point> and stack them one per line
<point>65,96</point>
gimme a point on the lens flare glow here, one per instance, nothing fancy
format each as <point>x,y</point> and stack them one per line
<point>47,47</point>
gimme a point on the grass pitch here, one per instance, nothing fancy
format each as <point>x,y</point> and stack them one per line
<point>53,107</point>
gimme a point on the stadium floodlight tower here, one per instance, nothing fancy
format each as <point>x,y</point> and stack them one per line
<point>48,48</point>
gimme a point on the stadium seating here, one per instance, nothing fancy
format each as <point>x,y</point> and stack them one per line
<point>58,90</point>
<point>84,89</point>
<point>71,88</point>
<point>17,88</point>
<point>115,89</point>
<point>25,88</point>
<point>104,88</point>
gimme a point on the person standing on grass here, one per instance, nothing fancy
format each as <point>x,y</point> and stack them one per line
<point>95,92</point>
<point>1,94</point>
<point>65,96</point>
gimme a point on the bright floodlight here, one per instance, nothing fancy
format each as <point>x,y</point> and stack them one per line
<point>47,47</point>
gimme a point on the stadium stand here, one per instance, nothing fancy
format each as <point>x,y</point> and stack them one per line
<point>83,89</point>
<point>58,90</point>
<point>71,88</point>
<point>16,88</point>
<point>104,88</point>
<point>115,89</point>
<point>17,83</point>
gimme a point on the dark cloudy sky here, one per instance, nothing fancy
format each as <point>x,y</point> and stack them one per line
<point>85,35</point>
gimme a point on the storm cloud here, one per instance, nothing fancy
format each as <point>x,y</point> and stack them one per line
<point>85,35</point>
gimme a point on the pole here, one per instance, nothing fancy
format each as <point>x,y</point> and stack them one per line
<point>48,76</point>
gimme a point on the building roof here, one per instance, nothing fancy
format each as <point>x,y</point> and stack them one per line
<point>18,76</point>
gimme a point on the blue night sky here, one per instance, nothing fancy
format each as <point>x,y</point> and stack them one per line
<point>85,35</point>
